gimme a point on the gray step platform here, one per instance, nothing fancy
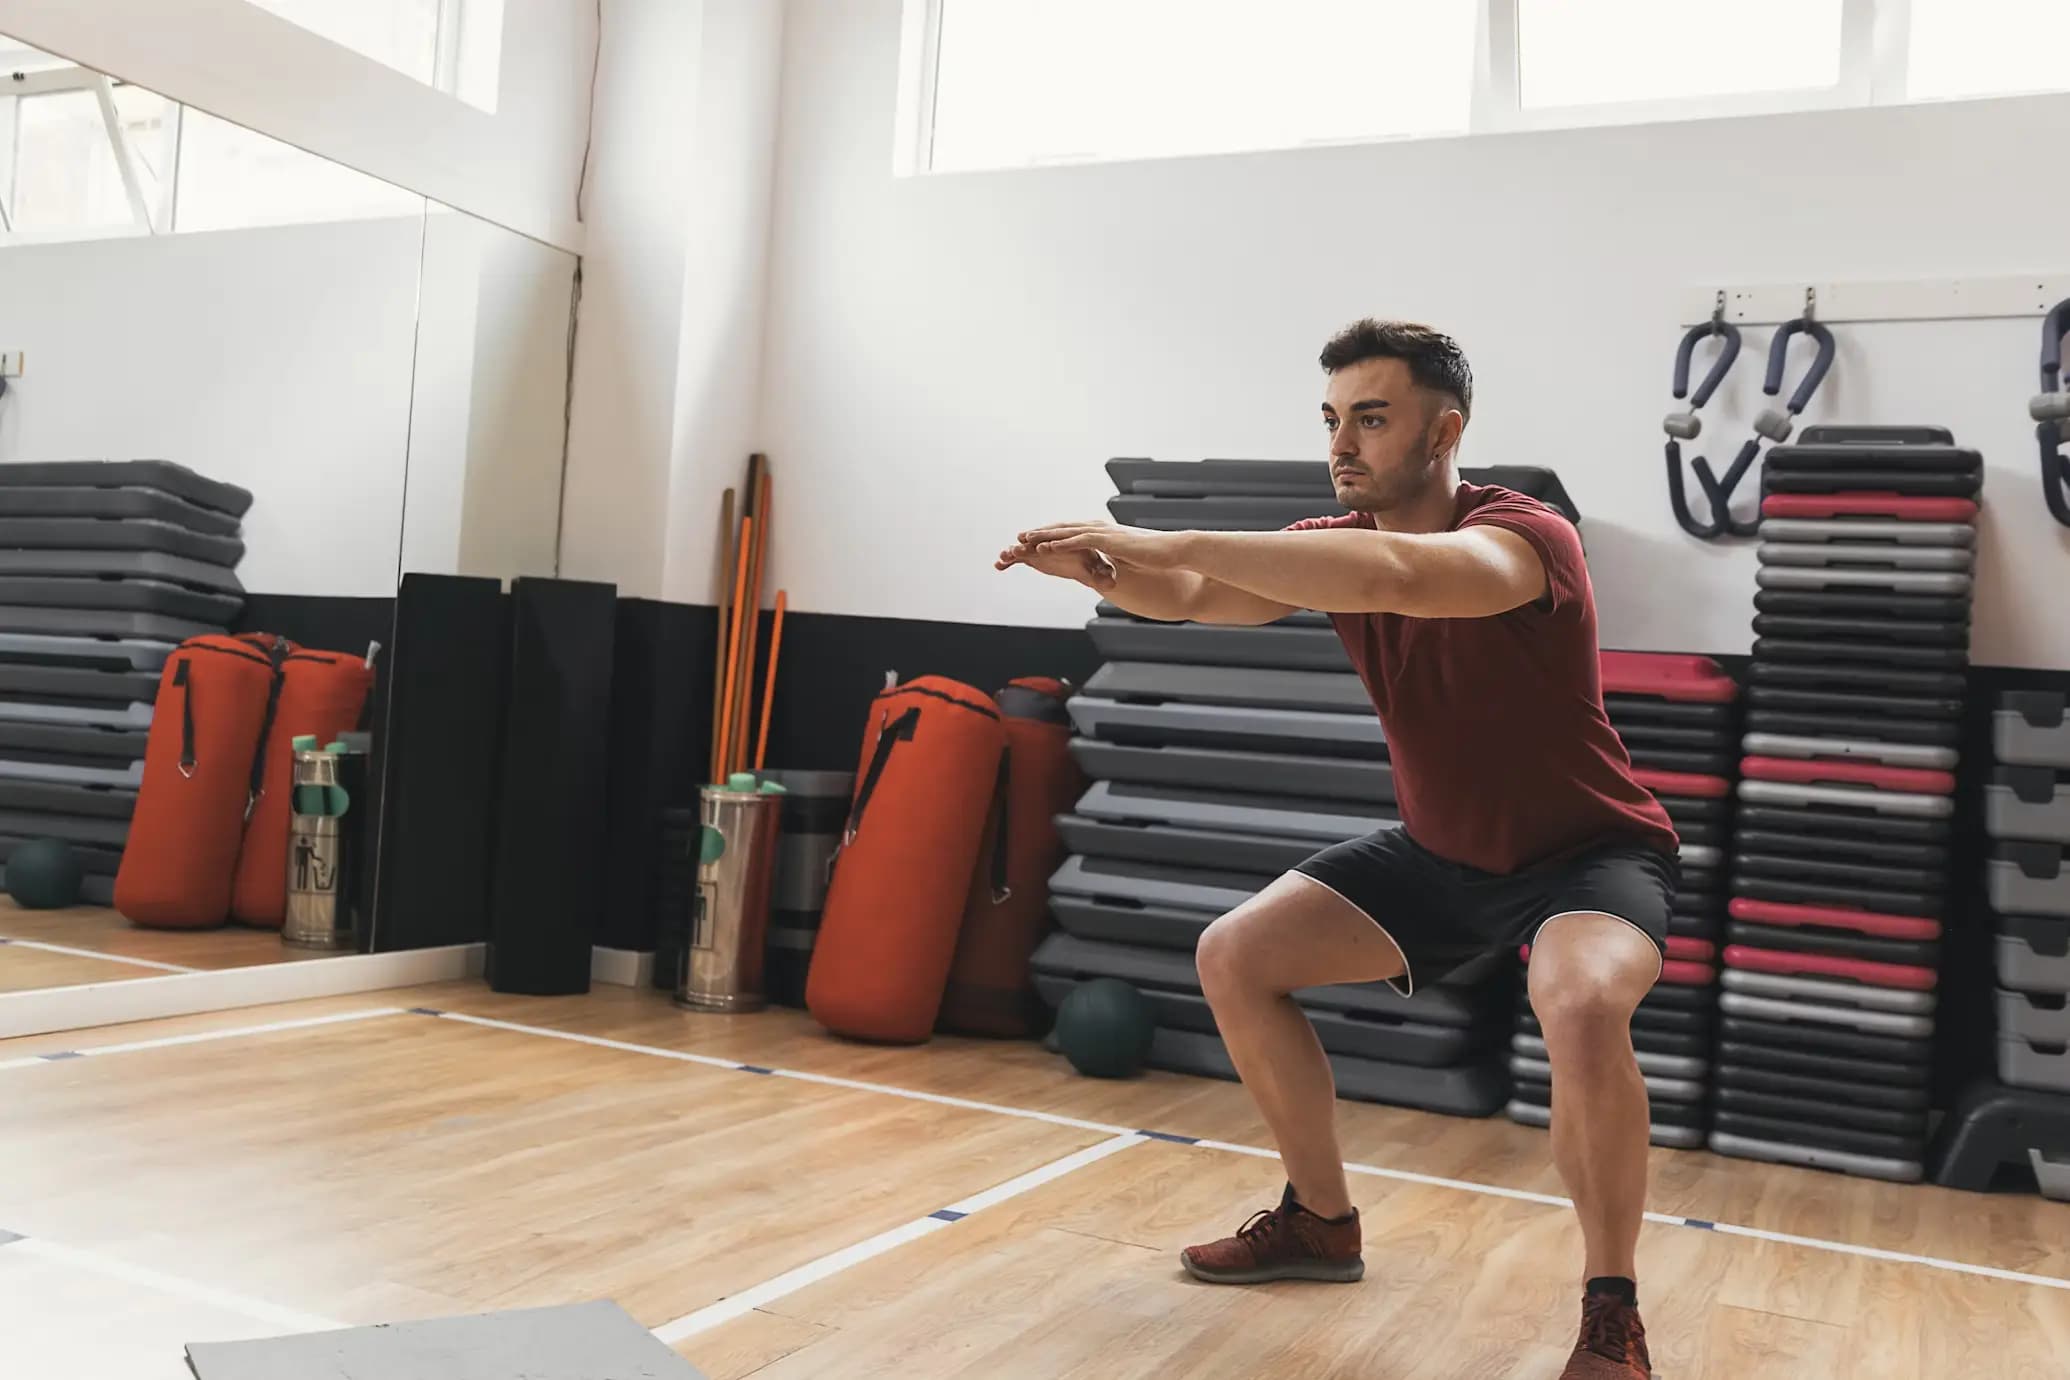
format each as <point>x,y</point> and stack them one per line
<point>2034,953</point>
<point>2026,1064</point>
<point>141,596</point>
<point>115,623</point>
<point>1305,479</point>
<point>147,655</point>
<point>1821,1111</point>
<point>1876,555</point>
<point>163,475</point>
<point>1843,578</point>
<point>1321,823</point>
<point>1825,1050</point>
<point>1371,1024</point>
<point>1172,933</point>
<point>1896,1097</point>
<point>1190,888</point>
<point>1894,1168</point>
<point>1823,652</point>
<point>1160,843</point>
<point>1477,1088</point>
<point>36,562</point>
<point>1228,725</point>
<point>86,802</point>
<point>73,685</point>
<point>1865,800</point>
<point>1852,1139</point>
<point>1810,1015</point>
<point>1217,512</point>
<point>1157,682</point>
<point>1851,749</point>
<point>1827,992</point>
<point>123,504</point>
<point>1859,453</point>
<point>1265,773</point>
<point>90,714</point>
<point>1286,644</point>
<point>79,829</point>
<point>80,756</point>
<point>2040,1016</point>
<point>2028,803</point>
<point>2032,728</point>
<point>2030,879</point>
<point>119,534</point>
<point>1868,531</point>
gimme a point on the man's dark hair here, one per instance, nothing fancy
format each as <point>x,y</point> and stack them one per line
<point>1435,360</point>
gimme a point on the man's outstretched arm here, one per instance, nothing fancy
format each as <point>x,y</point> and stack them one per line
<point>1472,573</point>
<point>1169,595</point>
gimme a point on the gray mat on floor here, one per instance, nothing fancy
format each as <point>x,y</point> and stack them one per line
<point>584,1341</point>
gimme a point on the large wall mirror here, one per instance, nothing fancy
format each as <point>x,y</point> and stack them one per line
<point>245,390</point>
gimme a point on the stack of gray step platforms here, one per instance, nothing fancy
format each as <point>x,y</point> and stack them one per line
<point>105,567</point>
<point>1840,878</point>
<point>1219,758</point>
<point>2022,1117</point>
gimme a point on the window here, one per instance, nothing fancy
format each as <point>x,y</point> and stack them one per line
<point>1017,83</point>
<point>1987,48</point>
<point>1607,52</point>
<point>83,155</point>
<point>1033,81</point>
<point>454,45</point>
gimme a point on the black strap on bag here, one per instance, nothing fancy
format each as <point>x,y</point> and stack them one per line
<point>277,653</point>
<point>899,730</point>
<point>183,681</point>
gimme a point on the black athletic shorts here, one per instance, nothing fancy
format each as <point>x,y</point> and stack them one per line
<point>1443,915</point>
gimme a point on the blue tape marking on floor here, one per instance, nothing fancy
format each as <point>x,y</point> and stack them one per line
<point>1699,1224</point>
<point>948,1215</point>
<point>1168,1136</point>
<point>751,1068</point>
<point>64,1054</point>
<point>425,1011</point>
<point>8,1238</point>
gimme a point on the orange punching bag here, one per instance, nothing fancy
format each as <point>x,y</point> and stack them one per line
<point>926,778</point>
<point>989,991</point>
<point>213,700</point>
<point>321,695</point>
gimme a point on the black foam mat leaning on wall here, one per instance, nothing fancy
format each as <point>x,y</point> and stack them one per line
<point>546,883</point>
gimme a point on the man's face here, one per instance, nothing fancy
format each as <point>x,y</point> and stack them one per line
<point>1387,436</point>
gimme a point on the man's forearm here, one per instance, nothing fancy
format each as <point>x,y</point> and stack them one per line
<point>1178,596</point>
<point>1332,571</point>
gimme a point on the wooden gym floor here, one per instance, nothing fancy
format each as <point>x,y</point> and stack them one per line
<point>962,1209</point>
<point>69,948</point>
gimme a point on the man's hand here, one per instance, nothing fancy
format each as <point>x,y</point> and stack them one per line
<point>1089,568</point>
<point>1133,547</point>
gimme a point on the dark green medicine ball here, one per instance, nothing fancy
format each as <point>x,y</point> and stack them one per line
<point>1104,1028</point>
<point>45,874</point>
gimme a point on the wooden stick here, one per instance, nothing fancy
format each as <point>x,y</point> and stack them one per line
<point>753,611</point>
<point>741,621</point>
<point>769,690</point>
<point>723,561</point>
<point>747,529</point>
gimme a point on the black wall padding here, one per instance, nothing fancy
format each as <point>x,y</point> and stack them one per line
<point>327,622</point>
<point>832,666</point>
<point>661,704</point>
<point>546,885</point>
<point>438,734</point>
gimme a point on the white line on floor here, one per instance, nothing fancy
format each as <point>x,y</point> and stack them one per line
<point>1376,1171</point>
<point>272,1314</point>
<point>95,953</point>
<point>200,1037</point>
<point>791,1281</point>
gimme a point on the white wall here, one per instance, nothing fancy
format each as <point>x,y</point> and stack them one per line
<point>275,359</point>
<point>669,347</point>
<point>952,358</point>
<point>518,167</point>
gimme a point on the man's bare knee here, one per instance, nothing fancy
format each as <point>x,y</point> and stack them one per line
<point>1220,956</point>
<point>1582,1010</point>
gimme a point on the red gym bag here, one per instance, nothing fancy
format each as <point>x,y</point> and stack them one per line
<point>321,696</point>
<point>928,772</point>
<point>214,698</point>
<point>989,991</point>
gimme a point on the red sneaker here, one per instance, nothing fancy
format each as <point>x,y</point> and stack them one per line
<point>1612,1344</point>
<point>1286,1242</point>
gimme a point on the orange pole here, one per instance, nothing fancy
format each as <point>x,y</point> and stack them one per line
<point>769,690</point>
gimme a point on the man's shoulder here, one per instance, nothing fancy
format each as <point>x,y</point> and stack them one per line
<point>1489,499</point>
